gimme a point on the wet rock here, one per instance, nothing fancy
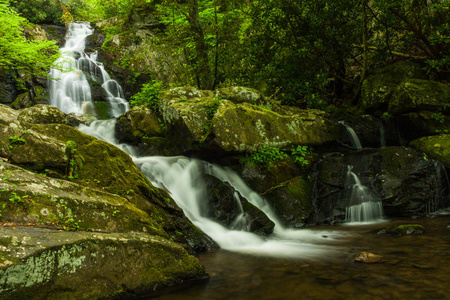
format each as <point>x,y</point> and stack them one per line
<point>8,89</point>
<point>40,263</point>
<point>226,206</point>
<point>291,201</point>
<point>55,33</point>
<point>406,181</point>
<point>415,125</point>
<point>403,229</point>
<point>367,257</point>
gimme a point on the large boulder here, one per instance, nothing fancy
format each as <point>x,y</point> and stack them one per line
<point>239,94</point>
<point>407,182</point>
<point>418,94</point>
<point>39,263</point>
<point>437,147</point>
<point>8,89</point>
<point>378,88</point>
<point>247,128</point>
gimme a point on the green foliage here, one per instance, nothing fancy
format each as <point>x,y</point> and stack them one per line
<point>68,221</point>
<point>16,52</point>
<point>300,153</point>
<point>149,94</point>
<point>439,117</point>
<point>15,141</point>
<point>265,156</point>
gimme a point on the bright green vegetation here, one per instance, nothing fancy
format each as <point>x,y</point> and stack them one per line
<point>18,53</point>
<point>149,94</point>
<point>15,141</point>
<point>75,160</point>
<point>266,155</point>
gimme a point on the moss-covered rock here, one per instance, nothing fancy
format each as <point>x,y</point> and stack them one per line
<point>378,88</point>
<point>247,128</point>
<point>136,124</point>
<point>40,263</point>
<point>42,114</point>
<point>437,146</point>
<point>291,201</point>
<point>27,197</point>
<point>94,163</point>
<point>418,94</point>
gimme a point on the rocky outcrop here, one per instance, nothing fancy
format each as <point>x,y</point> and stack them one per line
<point>38,263</point>
<point>197,121</point>
<point>406,181</point>
<point>64,179</point>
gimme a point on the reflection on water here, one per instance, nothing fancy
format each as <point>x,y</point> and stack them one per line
<point>413,266</point>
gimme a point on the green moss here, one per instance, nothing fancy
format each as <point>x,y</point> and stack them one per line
<point>409,229</point>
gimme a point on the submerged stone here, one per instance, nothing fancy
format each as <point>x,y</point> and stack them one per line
<point>367,257</point>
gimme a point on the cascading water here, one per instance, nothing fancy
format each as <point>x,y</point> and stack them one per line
<point>364,207</point>
<point>353,136</point>
<point>182,176</point>
<point>69,87</point>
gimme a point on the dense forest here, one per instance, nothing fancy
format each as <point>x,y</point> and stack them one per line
<point>305,53</point>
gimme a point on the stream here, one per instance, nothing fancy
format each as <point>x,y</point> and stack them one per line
<point>412,267</point>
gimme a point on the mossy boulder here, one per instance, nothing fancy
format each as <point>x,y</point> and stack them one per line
<point>38,263</point>
<point>38,199</point>
<point>378,88</point>
<point>42,114</point>
<point>136,124</point>
<point>436,146</point>
<point>418,94</point>
<point>291,201</point>
<point>247,128</point>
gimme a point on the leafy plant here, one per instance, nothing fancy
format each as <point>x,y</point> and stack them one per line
<point>149,94</point>
<point>15,141</point>
<point>299,154</point>
<point>439,117</point>
<point>266,155</point>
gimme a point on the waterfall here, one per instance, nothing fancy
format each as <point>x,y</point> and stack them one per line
<point>363,205</point>
<point>442,188</point>
<point>353,136</point>
<point>182,177</point>
<point>69,88</point>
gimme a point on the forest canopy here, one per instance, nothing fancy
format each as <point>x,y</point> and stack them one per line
<point>304,52</point>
